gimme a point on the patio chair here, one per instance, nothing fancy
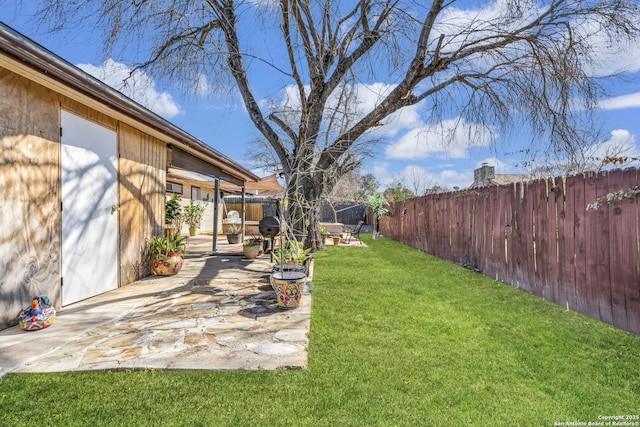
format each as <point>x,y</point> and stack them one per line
<point>355,232</point>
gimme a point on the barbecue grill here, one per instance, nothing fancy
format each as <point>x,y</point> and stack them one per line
<point>269,227</point>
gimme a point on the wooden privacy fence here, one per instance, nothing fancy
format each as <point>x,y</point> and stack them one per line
<point>538,236</point>
<point>256,208</point>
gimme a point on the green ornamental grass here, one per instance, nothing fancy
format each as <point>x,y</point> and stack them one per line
<point>398,338</point>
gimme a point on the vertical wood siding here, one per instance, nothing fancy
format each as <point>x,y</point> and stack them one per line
<point>30,236</point>
<point>29,195</point>
<point>141,191</point>
<point>539,237</point>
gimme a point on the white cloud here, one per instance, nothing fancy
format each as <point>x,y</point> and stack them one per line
<point>631,100</point>
<point>383,175</point>
<point>405,118</point>
<point>449,138</point>
<point>610,55</point>
<point>621,144</point>
<point>202,86</point>
<point>265,4</point>
<point>419,179</point>
<point>362,99</point>
<point>467,25</point>
<point>500,166</point>
<point>137,86</point>
<point>452,179</point>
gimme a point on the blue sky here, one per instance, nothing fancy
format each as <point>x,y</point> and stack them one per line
<point>222,122</point>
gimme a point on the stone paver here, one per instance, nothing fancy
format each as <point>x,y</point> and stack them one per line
<point>219,312</point>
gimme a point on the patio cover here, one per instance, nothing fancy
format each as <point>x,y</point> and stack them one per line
<point>267,186</point>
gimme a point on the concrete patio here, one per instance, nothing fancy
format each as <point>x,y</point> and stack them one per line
<point>218,313</point>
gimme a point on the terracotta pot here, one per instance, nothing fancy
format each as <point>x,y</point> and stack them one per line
<point>336,240</point>
<point>251,251</point>
<point>167,264</point>
<point>233,238</point>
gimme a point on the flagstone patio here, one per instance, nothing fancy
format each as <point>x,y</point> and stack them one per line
<point>219,312</point>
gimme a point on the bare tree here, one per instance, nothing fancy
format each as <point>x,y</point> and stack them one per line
<point>511,61</point>
<point>347,189</point>
<point>420,181</point>
<point>591,158</point>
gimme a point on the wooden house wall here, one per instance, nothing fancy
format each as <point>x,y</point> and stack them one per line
<point>141,193</point>
<point>29,194</point>
<point>30,236</point>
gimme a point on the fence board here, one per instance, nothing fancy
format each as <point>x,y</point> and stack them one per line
<point>484,243</point>
<point>527,242</point>
<point>499,236</point>
<point>565,258</point>
<point>580,251</point>
<point>510,241</point>
<point>632,288</point>
<point>622,263</point>
<point>466,220</point>
<point>540,247</point>
<point>554,198</point>
<point>519,268</point>
<point>597,225</point>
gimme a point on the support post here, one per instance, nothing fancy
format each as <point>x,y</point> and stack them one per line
<point>216,207</point>
<point>244,206</point>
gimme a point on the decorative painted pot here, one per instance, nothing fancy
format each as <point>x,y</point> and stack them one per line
<point>39,316</point>
<point>286,268</point>
<point>288,286</point>
<point>167,264</point>
<point>193,231</point>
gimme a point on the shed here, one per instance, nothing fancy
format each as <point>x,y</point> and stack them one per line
<point>83,173</point>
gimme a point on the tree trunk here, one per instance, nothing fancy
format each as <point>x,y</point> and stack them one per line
<point>303,194</point>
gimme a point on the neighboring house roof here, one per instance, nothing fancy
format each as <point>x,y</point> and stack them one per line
<point>25,57</point>
<point>485,176</point>
<point>503,179</point>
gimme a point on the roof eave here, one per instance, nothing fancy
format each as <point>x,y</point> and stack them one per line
<point>24,51</point>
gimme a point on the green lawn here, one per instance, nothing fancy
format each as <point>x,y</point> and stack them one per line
<point>398,338</point>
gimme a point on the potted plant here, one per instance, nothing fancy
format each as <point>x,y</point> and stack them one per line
<point>252,248</point>
<point>167,253</point>
<point>192,215</point>
<point>323,233</point>
<point>336,239</point>
<point>234,233</point>
<point>290,275</point>
<point>172,215</point>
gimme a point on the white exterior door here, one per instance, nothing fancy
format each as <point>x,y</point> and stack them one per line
<point>89,225</point>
